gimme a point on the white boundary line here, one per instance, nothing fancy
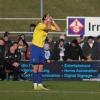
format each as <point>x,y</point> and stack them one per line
<point>21,19</point>
<point>50,91</point>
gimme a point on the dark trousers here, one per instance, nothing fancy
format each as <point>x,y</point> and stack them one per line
<point>2,72</point>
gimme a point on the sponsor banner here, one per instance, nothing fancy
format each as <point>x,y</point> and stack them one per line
<point>83,26</point>
<point>69,70</point>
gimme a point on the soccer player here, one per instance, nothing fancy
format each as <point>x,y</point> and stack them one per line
<point>37,51</point>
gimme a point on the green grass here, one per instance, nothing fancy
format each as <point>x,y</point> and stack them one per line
<point>57,8</point>
<point>59,90</point>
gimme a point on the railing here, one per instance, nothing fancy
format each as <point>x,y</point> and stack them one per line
<point>30,19</point>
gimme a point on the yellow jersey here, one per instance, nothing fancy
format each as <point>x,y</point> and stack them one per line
<point>40,35</point>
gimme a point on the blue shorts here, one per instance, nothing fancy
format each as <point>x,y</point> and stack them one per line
<point>36,55</point>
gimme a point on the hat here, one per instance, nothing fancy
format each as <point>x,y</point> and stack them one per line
<point>74,41</point>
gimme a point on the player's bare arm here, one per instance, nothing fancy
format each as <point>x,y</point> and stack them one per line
<point>58,29</point>
<point>49,22</point>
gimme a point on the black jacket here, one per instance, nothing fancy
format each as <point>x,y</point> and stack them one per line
<point>75,53</point>
<point>2,53</point>
<point>94,51</point>
<point>7,46</point>
<point>13,57</point>
<point>98,58</point>
<point>56,52</point>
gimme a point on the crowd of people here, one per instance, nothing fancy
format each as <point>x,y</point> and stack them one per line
<point>78,49</point>
<point>12,52</point>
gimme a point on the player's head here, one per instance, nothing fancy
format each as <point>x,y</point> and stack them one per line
<point>46,18</point>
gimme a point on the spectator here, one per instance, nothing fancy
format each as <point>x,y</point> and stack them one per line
<point>2,56</point>
<point>90,49</point>
<point>15,45</point>
<point>32,27</point>
<point>23,46</point>
<point>13,60</point>
<point>80,41</point>
<point>60,51</point>
<point>75,51</point>
<point>98,42</point>
<point>62,37</point>
<point>8,42</point>
<point>51,44</point>
<point>22,36</point>
<point>2,50</point>
<point>47,52</point>
<point>28,54</point>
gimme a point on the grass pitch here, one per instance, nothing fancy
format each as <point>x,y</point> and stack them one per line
<point>59,90</point>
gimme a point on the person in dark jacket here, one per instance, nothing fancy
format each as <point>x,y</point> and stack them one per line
<point>2,50</point>
<point>13,60</point>
<point>7,41</point>
<point>90,49</point>
<point>61,51</point>
<point>22,46</point>
<point>98,42</point>
<point>2,55</point>
<point>75,51</point>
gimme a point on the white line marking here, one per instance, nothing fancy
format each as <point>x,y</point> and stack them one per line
<point>50,91</point>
